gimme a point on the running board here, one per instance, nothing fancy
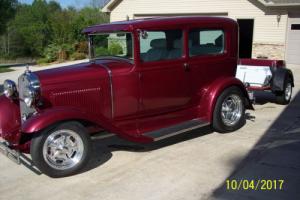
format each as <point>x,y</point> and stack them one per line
<point>176,129</point>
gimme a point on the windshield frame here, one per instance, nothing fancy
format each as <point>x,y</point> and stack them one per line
<point>91,52</point>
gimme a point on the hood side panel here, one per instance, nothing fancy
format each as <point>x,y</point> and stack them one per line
<point>85,87</point>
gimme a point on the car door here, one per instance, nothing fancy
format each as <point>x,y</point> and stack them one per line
<point>165,85</point>
<point>208,58</point>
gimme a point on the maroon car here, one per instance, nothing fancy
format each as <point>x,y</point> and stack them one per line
<point>146,80</point>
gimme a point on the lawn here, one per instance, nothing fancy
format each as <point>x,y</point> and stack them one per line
<point>5,69</point>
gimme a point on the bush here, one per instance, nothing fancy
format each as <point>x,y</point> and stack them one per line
<point>42,61</point>
<point>101,51</point>
<point>115,49</point>
<point>56,52</point>
<point>82,47</point>
<point>51,53</point>
<point>78,56</point>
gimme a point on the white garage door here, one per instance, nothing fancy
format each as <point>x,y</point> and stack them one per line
<point>293,40</point>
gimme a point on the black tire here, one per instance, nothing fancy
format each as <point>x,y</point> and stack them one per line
<point>218,123</point>
<point>39,159</point>
<point>281,96</point>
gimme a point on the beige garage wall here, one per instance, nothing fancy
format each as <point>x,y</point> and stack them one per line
<point>267,29</point>
<point>269,35</point>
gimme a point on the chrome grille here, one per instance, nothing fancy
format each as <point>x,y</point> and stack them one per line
<point>25,80</point>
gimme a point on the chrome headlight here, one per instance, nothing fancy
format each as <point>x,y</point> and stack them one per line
<point>30,96</point>
<point>10,88</point>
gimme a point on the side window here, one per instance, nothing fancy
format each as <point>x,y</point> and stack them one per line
<point>161,45</point>
<point>206,42</point>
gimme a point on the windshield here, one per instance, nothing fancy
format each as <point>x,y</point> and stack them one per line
<point>111,44</point>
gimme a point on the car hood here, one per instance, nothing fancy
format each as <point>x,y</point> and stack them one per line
<point>83,71</point>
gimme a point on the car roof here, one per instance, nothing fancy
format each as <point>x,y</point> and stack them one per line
<point>131,25</point>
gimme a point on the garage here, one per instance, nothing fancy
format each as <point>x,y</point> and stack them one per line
<point>264,24</point>
<point>246,28</point>
<point>293,39</point>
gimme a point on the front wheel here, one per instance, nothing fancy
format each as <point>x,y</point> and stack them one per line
<point>229,112</point>
<point>62,150</point>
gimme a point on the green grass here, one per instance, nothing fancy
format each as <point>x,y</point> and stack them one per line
<point>5,69</point>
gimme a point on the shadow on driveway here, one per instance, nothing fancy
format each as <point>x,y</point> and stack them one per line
<point>276,156</point>
<point>263,97</point>
<point>103,148</point>
<point>1,88</point>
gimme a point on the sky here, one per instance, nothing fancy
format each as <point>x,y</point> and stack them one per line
<point>74,3</point>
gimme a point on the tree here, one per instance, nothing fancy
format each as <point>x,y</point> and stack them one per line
<point>87,17</point>
<point>44,29</point>
<point>7,10</point>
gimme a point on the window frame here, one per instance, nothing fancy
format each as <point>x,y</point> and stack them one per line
<point>224,50</point>
<point>91,58</point>
<point>182,30</point>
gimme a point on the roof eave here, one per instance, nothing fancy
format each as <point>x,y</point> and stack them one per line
<point>110,5</point>
<point>278,4</point>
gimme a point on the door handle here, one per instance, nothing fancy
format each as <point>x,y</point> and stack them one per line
<point>186,67</point>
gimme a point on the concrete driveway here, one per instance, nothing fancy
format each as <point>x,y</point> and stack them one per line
<point>191,166</point>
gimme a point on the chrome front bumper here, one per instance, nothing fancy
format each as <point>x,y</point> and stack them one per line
<point>12,154</point>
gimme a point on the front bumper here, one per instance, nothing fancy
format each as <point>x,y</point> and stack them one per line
<point>12,154</point>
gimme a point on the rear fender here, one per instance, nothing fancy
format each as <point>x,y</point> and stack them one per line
<point>214,91</point>
<point>279,77</point>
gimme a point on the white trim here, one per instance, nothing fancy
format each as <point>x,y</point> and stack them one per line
<point>109,5</point>
<point>271,4</point>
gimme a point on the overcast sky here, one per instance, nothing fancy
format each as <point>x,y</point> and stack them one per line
<point>74,3</point>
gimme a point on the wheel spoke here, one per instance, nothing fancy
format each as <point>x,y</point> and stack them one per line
<point>231,110</point>
<point>59,149</point>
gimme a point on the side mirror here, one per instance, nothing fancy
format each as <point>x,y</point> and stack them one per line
<point>143,34</point>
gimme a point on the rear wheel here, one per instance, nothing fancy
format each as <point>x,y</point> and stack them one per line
<point>61,151</point>
<point>285,96</point>
<point>229,112</point>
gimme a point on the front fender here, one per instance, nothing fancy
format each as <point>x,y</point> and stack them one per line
<point>215,89</point>
<point>51,116</point>
<point>10,119</point>
<point>46,118</point>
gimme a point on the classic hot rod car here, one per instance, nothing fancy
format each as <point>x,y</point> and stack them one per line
<point>146,80</point>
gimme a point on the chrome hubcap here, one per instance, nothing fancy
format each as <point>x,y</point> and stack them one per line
<point>232,108</point>
<point>288,91</point>
<point>63,149</point>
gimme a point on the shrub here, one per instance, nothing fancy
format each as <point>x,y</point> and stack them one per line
<point>51,53</point>
<point>115,49</point>
<point>78,56</point>
<point>101,51</point>
<point>82,47</point>
<point>42,61</point>
<point>56,52</point>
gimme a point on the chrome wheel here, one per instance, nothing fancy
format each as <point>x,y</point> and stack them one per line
<point>231,111</point>
<point>288,92</point>
<point>63,149</point>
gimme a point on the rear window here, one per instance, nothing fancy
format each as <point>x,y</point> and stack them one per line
<point>206,42</point>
